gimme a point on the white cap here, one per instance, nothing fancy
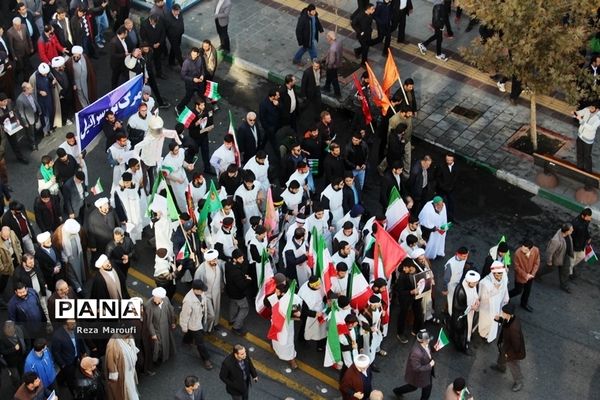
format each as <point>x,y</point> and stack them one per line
<point>43,68</point>
<point>159,292</point>
<point>472,276</point>
<point>417,252</point>
<point>101,261</point>
<point>72,226</point>
<point>211,254</point>
<point>42,237</point>
<point>76,50</point>
<point>497,266</point>
<point>100,202</point>
<point>58,62</point>
<point>362,361</point>
<point>159,204</point>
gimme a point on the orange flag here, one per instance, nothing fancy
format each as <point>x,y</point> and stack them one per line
<point>378,95</point>
<point>390,74</point>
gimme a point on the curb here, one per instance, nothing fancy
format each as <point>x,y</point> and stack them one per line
<point>503,175</point>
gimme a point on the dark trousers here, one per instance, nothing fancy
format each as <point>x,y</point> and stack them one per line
<point>449,202</point>
<point>384,34</point>
<point>156,59</point>
<point>198,338</point>
<point>14,144</point>
<point>242,397</point>
<point>437,36</point>
<point>175,52</point>
<point>425,392</point>
<point>448,7</point>
<point>524,288</point>
<point>155,91</point>
<point>363,50</point>
<point>402,24</point>
<point>190,90</point>
<point>584,155</point>
<point>202,143</point>
<point>3,282</point>
<point>116,77</point>
<point>223,36</point>
<point>331,79</point>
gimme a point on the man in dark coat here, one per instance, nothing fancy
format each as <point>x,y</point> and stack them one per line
<point>391,179</point>
<point>192,73</point>
<point>152,31</point>
<point>419,368</point>
<point>269,113</point>
<point>310,90</point>
<point>446,182</point>
<point>65,166</point>
<point>191,389</point>
<point>237,372</point>
<point>357,379</point>
<point>67,349</point>
<point>175,28</point>
<point>103,287</point>
<point>120,251</point>
<point>333,163</point>
<point>362,22</point>
<point>581,238</point>
<point>418,182</point>
<point>28,271</point>
<point>249,137</point>
<point>399,17</point>
<point>47,210</point>
<point>307,33</point>
<point>99,225</point>
<point>511,345</point>
<point>74,191</point>
<point>49,259</point>
<point>237,284</point>
<point>118,51</point>
<point>16,219</point>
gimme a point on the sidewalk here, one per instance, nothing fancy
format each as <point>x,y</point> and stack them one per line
<point>263,42</point>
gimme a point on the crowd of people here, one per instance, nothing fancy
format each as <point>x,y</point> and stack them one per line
<point>273,218</point>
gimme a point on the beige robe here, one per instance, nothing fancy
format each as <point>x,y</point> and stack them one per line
<point>117,362</point>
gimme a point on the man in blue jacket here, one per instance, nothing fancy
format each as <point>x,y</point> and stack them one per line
<point>26,310</point>
<point>39,360</point>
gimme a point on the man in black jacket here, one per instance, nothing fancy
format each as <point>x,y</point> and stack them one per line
<point>237,283</point>
<point>310,90</point>
<point>250,138</point>
<point>446,182</point>
<point>153,31</point>
<point>363,25</point>
<point>118,51</point>
<point>581,238</point>
<point>237,372</point>
<point>269,113</point>
<point>438,19</point>
<point>47,210</point>
<point>74,191</point>
<point>67,349</point>
<point>192,73</point>
<point>288,102</point>
<point>333,163</point>
<point>418,182</point>
<point>307,33</point>
<point>175,29</point>
<point>356,157</point>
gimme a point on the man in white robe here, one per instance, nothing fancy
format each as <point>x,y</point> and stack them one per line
<point>370,322</point>
<point>339,282</point>
<point>412,228</point>
<point>120,153</point>
<point>347,234</point>
<point>313,308</point>
<point>197,188</point>
<point>126,201</point>
<point>284,346</point>
<point>453,272</point>
<point>433,218</point>
<point>493,295</point>
<point>175,165</point>
<point>249,199</point>
<point>332,199</point>
<point>211,274</point>
<point>163,226</point>
<point>321,220</point>
<point>259,164</point>
<point>72,255</point>
<point>224,156</point>
<point>121,358</point>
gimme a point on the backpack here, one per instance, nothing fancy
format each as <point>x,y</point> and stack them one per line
<point>438,16</point>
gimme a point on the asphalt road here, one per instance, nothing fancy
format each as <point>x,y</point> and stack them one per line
<point>562,334</point>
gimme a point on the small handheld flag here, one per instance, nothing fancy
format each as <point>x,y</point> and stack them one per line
<point>97,187</point>
<point>212,90</point>
<point>186,117</point>
<point>590,255</point>
<point>442,340</point>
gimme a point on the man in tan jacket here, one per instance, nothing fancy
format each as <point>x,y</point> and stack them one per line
<point>193,319</point>
<point>527,263</point>
<point>559,253</point>
<point>10,257</point>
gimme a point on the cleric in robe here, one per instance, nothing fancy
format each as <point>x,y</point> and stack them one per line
<point>493,295</point>
<point>464,306</point>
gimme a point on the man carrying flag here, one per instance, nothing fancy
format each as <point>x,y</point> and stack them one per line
<point>380,99</point>
<point>285,309</point>
<point>362,104</point>
<point>266,285</point>
<point>313,312</point>
<point>396,214</point>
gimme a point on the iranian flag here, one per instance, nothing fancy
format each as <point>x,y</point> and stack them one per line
<point>333,349</point>
<point>212,90</point>
<point>328,270</point>
<point>281,314</point>
<point>97,188</point>
<point>271,222</point>
<point>388,254</point>
<point>266,285</point>
<point>396,214</point>
<point>236,148</point>
<point>184,252</point>
<point>590,255</point>
<point>319,260</point>
<point>186,117</point>
<point>359,290</point>
<point>189,200</point>
<point>442,340</point>
<point>212,204</point>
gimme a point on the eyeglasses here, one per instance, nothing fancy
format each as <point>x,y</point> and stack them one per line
<point>251,119</point>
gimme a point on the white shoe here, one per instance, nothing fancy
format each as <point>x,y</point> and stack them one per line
<point>100,45</point>
<point>422,48</point>
<point>69,122</point>
<point>501,86</point>
<point>442,57</point>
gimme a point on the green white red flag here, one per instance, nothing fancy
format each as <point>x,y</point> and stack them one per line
<point>442,340</point>
<point>359,290</point>
<point>212,91</point>
<point>590,255</point>
<point>236,148</point>
<point>184,252</point>
<point>281,314</point>
<point>97,188</point>
<point>266,285</point>
<point>186,117</point>
<point>396,214</point>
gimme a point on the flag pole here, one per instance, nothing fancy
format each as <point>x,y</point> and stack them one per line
<point>371,125</point>
<point>399,81</point>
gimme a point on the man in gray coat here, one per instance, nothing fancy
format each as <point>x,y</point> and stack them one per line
<point>222,10</point>
<point>29,110</point>
<point>419,368</point>
<point>559,253</point>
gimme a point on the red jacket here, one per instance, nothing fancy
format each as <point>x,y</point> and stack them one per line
<point>48,48</point>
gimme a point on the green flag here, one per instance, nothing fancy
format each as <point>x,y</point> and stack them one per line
<point>506,260</point>
<point>333,352</point>
<point>212,204</point>
<point>171,207</point>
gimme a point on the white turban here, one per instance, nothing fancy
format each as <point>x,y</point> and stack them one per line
<point>72,226</point>
<point>77,50</point>
<point>159,292</point>
<point>417,252</point>
<point>472,276</point>
<point>211,254</point>
<point>42,237</point>
<point>43,68</point>
<point>101,261</point>
<point>58,62</point>
<point>497,266</point>
<point>100,202</point>
<point>362,361</point>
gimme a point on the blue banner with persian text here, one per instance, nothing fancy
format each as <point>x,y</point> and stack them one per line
<point>123,101</point>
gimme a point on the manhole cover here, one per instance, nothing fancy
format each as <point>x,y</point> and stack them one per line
<point>466,112</point>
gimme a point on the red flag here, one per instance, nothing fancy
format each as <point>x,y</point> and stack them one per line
<point>190,203</point>
<point>363,100</point>
<point>389,250</point>
<point>390,74</point>
<point>378,95</point>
